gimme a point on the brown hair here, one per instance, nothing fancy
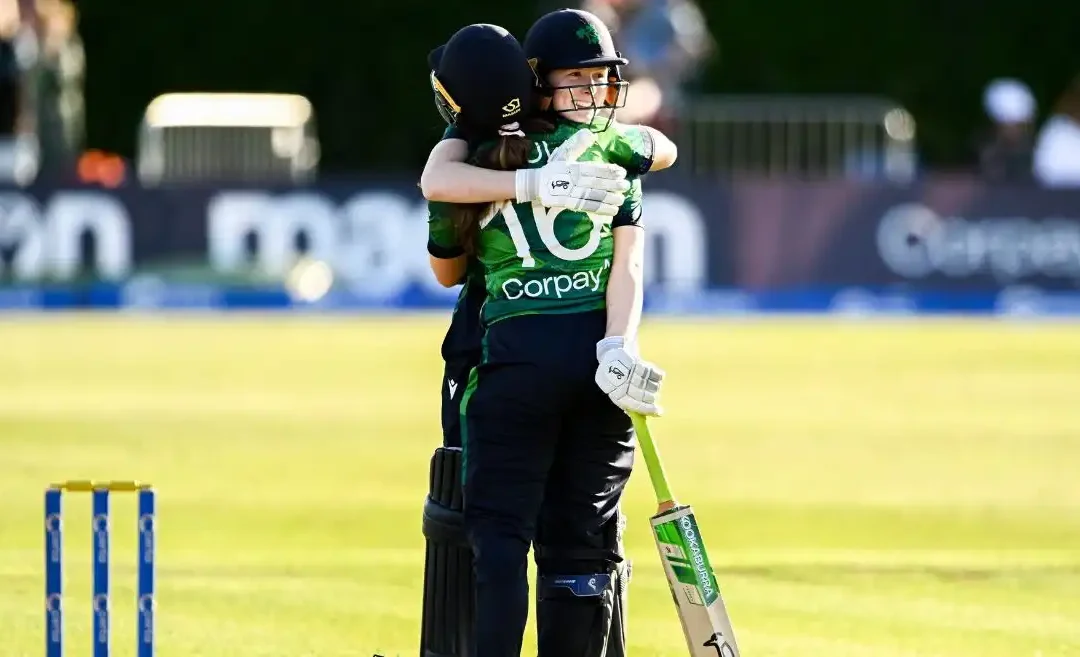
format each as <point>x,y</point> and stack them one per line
<point>506,153</point>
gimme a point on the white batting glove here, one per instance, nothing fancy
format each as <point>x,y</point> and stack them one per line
<point>596,187</point>
<point>631,383</point>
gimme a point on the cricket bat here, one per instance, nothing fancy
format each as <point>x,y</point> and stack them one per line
<point>690,577</point>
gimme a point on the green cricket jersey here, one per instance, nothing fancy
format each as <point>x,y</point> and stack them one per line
<point>550,260</point>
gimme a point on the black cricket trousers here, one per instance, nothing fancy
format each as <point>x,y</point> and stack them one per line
<point>461,353</point>
<point>546,458</point>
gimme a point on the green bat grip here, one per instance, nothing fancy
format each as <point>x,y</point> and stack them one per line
<point>652,459</point>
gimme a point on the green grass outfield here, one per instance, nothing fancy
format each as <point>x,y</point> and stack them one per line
<point>865,489</point>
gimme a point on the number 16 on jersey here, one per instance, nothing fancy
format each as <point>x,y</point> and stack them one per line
<point>690,576</point>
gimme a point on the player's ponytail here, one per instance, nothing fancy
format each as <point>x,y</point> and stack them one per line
<point>509,152</point>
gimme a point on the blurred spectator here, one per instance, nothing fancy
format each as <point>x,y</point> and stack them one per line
<point>1057,150</point>
<point>1006,155</point>
<point>10,67</point>
<point>18,153</point>
<point>667,43</point>
<point>57,83</point>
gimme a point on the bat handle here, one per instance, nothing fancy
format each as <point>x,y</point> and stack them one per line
<point>652,461</point>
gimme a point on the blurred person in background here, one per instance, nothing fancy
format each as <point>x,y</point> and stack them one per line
<point>57,83</point>
<point>668,43</point>
<point>1005,156</point>
<point>1057,149</point>
<point>41,96</point>
<point>18,46</point>
<point>11,67</point>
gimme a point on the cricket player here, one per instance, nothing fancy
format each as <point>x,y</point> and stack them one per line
<point>447,615</point>
<point>548,445</point>
<point>447,611</point>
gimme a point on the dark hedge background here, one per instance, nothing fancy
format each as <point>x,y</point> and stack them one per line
<point>363,63</point>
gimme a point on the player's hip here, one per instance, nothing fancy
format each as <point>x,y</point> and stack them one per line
<point>537,369</point>
<point>560,344</point>
<point>463,337</point>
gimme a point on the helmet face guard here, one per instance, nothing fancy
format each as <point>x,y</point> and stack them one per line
<point>575,39</point>
<point>605,97</point>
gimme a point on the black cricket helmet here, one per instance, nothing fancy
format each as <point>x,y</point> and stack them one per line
<point>481,79</point>
<point>572,38</point>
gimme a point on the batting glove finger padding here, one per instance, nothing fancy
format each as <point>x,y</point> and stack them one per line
<point>617,186</point>
<point>595,207</point>
<point>574,147</point>
<point>604,170</point>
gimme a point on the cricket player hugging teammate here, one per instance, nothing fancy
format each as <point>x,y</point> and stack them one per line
<point>543,380</point>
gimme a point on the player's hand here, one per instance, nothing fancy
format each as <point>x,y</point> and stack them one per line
<point>630,382</point>
<point>596,187</point>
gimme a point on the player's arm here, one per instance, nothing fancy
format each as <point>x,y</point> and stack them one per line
<point>630,382</point>
<point>664,150</point>
<point>625,291</point>
<point>448,271</point>
<point>561,183</point>
<point>449,179</point>
<point>445,254</point>
<point>642,149</point>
